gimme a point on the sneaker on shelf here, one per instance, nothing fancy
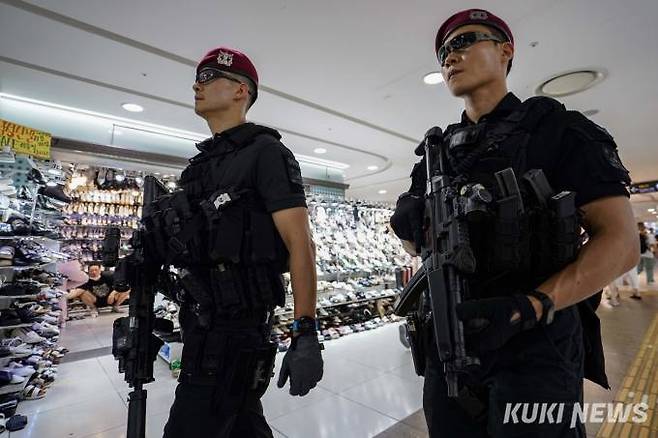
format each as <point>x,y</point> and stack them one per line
<point>27,336</point>
<point>47,318</point>
<point>56,193</point>
<point>9,317</point>
<point>19,370</point>
<point>9,378</point>
<point>46,330</point>
<point>19,352</point>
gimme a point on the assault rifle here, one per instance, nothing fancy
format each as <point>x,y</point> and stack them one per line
<point>447,258</point>
<point>134,344</point>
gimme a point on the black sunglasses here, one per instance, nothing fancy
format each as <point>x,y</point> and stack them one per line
<point>210,74</point>
<point>463,41</point>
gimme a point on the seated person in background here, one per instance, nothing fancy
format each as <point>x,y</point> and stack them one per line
<point>99,291</point>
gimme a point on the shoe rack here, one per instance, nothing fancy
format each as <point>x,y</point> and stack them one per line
<point>92,212</point>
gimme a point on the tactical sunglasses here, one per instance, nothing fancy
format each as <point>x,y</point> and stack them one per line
<point>210,74</point>
<point>463,41</point>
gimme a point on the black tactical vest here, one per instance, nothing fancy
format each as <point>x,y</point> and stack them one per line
<point>516,257</point>
<point>241,252</point>
<point>243,232</point>
<point>512,255</point>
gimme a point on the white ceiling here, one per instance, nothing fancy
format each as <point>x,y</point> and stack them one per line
<point>346,76</point>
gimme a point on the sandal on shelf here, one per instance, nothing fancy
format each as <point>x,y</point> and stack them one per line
<point>33,392</point>
<point>41,382</point>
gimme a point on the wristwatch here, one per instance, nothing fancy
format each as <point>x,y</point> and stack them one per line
<point>304,325</point>
<point>548,308</point>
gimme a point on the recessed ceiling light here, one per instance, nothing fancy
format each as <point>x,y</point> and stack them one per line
<point>132,107</point>
<point>373,167</point>
<point>433,78</point>
<point>571,82</point>
<point>320,151</point>
<point>382,192</point>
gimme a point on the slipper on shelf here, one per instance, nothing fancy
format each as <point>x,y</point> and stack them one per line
<point>17,422</point>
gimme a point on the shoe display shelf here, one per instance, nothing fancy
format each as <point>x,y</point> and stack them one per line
<point>9,301</point>
<point>85,242</point>
<point>91,213</point>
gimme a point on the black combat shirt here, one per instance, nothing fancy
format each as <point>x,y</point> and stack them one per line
<point>268,167</point>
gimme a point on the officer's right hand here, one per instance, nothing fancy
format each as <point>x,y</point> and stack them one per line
<point>407,221</point>
<point>303,364</point>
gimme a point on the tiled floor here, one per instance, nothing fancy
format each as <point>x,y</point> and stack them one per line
<point>369,386</point>
<point>623,329</point>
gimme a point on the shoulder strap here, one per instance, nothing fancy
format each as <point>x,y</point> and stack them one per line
<point>524,121</point>
<point>534,110</point>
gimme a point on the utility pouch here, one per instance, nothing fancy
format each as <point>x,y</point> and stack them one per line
<point>254,370</point>
<point>227,288</point>
<point>564,228</point>
<point>415,336</point>
<point>192,350</point>
<point>121,344</point>
<point>225,217</point>
<point>505,248</point>
<point>226,235</point>
<point>214,349</point>
<point>203,300</point>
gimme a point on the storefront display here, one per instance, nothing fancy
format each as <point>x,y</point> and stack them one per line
<point>31,290</point>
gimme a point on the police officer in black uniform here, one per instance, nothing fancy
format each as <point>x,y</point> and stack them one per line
<point>531,324</point>
<point>239,222</point>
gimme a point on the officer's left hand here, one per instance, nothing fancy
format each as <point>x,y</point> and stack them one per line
<point>303,364</point>
<point>489,323</point>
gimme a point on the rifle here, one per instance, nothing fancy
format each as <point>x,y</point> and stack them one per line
<point>447,259</point>
<point>134,344</point>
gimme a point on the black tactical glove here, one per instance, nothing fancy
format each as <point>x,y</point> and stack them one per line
<point>407,221</point>
<point>303,364</point>
<point>488,322</point>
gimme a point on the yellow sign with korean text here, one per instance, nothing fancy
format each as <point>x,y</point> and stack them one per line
<point>24,140</point>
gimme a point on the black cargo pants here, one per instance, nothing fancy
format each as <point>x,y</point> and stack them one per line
<point>212,399</point>
<point>541,366</point>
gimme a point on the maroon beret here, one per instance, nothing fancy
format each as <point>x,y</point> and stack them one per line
<point>471,16</point>
<point>230,60</point>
